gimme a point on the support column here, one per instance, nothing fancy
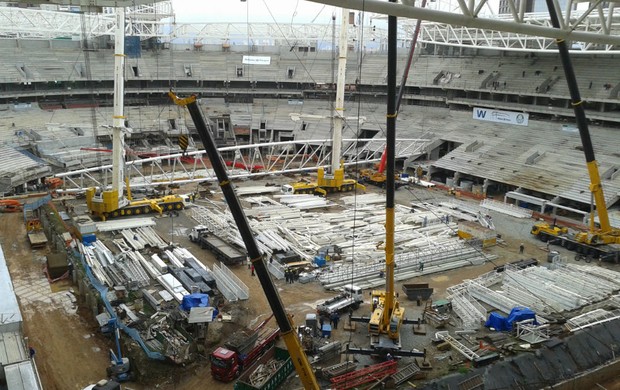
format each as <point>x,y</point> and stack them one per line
<point>485,186</point>
<point>429,172</point>
<point>456,177</point>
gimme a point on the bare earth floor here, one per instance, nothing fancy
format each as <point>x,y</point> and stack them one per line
<point>71,353</point>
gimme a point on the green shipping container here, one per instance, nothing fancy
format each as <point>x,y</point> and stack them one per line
<point>276,379</point>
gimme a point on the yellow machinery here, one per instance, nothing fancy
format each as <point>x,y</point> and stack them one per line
<point>325,184</point>
<point>387,316</point>
<point>333,181</point>
<point>105,205</point>
<point>595,242</point>
<point>112,203</point>
<point>377,177</point>
<point>377,326</point>
<point>546,232</point>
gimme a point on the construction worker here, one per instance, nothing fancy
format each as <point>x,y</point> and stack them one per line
<point>521,248</point>
<point>334,318</point>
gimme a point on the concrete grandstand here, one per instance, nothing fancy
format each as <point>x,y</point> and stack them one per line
<point>57,95</point>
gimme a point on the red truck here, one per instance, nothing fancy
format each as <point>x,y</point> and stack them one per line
<point>242,351</point>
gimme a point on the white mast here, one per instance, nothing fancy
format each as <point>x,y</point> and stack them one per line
<point>339,108</point>
<point>118,143</point>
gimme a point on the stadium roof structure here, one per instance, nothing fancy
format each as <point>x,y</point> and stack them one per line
<point>594,29</point>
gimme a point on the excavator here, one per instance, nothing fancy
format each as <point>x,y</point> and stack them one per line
<point>599,243</point>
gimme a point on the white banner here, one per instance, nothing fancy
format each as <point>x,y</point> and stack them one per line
<point>509,117</point>
<point>256,60</point>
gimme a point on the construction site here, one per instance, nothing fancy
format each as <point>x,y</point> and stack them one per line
<point>358,204</point>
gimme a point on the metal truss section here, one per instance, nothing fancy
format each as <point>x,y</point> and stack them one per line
<point>459,36</point>
<point>246,161</point>
<point>22,23</point>
<point>90,3</point>
<point>460,347</point>
<point>592,318</point>
<point>270,34</point>
<point>596,27</point>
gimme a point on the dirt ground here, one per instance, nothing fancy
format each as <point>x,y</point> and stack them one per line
<point>71,353</point>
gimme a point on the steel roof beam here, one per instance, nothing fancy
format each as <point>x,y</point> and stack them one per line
<point>455,19</point>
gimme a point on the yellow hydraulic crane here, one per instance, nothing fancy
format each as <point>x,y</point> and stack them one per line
<point>595,242</point>
<point>388,316</point>
<point>287,330</point>
<point>333,180</point>
<point>104,203</point>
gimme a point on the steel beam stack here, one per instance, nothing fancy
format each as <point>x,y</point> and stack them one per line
<point>229,284</point>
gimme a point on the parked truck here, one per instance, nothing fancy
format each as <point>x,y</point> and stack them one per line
<point>223,251</point>
<point>268,372</point>
<point>351,297</point>
<point>241,351</point>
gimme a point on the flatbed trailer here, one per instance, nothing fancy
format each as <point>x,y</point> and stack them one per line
<point>223,251</point>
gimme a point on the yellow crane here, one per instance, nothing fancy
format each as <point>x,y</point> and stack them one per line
<point>387,315</point>
<point>104,203</point>
<point>287,330</point>
<point>595,242</point>
<point>332,180</point>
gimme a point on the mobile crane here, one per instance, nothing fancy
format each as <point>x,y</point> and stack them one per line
<point>377,176</point>
<point>599,243</point>
<point>333,180</point>
<point>112,203</point>
<point>387,315</point>
<point>287,330</point>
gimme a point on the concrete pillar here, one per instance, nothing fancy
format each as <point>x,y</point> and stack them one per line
<point>485,186</point>
<point>429,172</point>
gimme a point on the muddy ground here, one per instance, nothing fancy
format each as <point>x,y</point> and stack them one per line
<point>71,353</point>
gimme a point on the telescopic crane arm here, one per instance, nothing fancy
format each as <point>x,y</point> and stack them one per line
<point>287,331</point>
<point>582,124</point>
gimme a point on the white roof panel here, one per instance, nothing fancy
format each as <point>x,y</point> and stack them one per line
<point>22,376</point>
<point>10,316</point>
<point>12,349</point>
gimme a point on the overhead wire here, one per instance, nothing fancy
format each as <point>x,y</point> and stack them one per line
<point>358,130</point>
<point>307,70</point>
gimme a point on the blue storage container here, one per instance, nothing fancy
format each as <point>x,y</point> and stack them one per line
<point>88,239</point>
<point>326,331</point>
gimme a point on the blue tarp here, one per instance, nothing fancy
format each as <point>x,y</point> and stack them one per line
<point>518,314</point>
<point>194,300</point>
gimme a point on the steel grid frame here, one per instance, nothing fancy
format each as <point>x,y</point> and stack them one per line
<point>593,29</point>
<point>145,21</point>
<point>595,25</point>
<point>275,158</point>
